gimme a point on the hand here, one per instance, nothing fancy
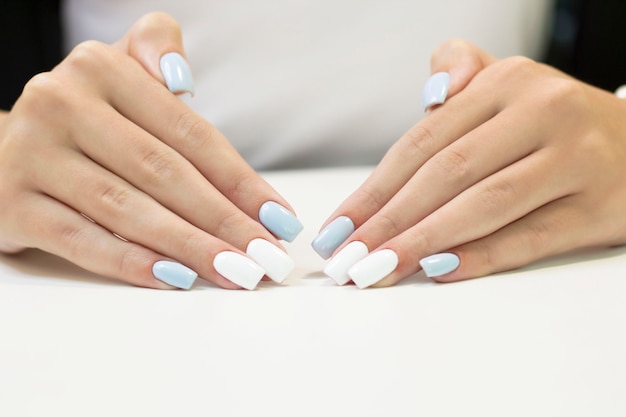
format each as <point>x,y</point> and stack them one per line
<point>523,163</point>
<point>102,165</point>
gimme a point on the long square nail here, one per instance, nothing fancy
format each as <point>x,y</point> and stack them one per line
<point>333,236</point>
<point>280,221</point>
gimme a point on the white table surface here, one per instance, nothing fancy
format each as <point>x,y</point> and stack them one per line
<point>548,340</point>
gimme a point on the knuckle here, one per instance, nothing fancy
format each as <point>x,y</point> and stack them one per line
<point>513,68</point>
<point>418,143</point>
<point>388,224</point>
<point>160,166</point>
<point>88,55</point>
<point>192,132</point>
<point>370,198</point>
<point>115,198</point>
<point>192,245</point>
<point>498,196</point>
<point>228,226</point>
<point>451,165</point>
<point>242,187</point>
<point>74,239</point>
<point>43,95</point>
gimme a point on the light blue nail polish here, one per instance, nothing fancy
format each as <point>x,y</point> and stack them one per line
<point>174,274</point>
<point>177,73</point>
<point>440,264</point>
<point>280,221</point>
<point>332,236</point>
<point>435,90</point>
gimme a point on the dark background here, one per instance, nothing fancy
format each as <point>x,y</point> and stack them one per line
<point>588,41</point>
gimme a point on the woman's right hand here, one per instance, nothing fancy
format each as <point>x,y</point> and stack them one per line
<point>102,165</point>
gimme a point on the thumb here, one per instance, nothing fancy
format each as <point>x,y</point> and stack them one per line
<point>156,42</point>
<point>453,65</point>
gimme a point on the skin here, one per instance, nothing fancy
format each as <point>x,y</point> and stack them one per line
<point>520,163</point>
<point>99,149</point>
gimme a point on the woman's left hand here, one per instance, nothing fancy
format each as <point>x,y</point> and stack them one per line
<point>522,163</point>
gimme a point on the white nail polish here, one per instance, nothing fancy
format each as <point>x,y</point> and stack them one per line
<point>239,269</point>
<point>277,264</point>
<point>339,265</point>
<point>373,268</point>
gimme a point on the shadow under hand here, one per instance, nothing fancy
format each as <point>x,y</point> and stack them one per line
<point>35,265</point>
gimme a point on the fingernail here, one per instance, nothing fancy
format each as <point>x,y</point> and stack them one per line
<point>174,274</point>
<point>277,264</point>
<point>239,269</point>
<point>621,92</point>
<point>435,90</point>
<point>439,264</point>
<point>332,236</point>
<point>280,221</point>
<point>177,73</point>
<point>338,267</point>
<point>373,268</point>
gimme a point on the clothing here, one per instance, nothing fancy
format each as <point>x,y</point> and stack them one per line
<point>349,97</point>
<point>316,82</point>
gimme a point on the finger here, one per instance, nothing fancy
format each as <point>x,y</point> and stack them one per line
<point>462,60</point>
<point>159,171</point>
<point>550,230</point>
<point>131,214</point>
<point>55,228</point>
<point>479,154</point>
<point>477,212</point>
<point>167,118</point>
<point>156,42</point>
<point>405,157</point>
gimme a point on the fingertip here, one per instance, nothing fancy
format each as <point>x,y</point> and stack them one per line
<point>440,264</point>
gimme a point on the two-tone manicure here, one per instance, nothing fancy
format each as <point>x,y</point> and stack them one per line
<point>280,221</point>
<point>332,236</point>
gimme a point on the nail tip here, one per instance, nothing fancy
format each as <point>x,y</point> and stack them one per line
<point>174,274</point>
<point>280,221</point>
<point>238,269</point>
<point>332,236</point>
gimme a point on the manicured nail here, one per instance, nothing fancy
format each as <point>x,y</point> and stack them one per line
<point>435,90</point>
<point>174,274</point>
<point>332,236</point>
<point>439,264</point>
<point>280,221</point>
<point>177,73</point>
<point>239,269</point>
<point>338,267</point>
<point>373,268</point>
<point>621,92</point>
<point>277,264</point>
